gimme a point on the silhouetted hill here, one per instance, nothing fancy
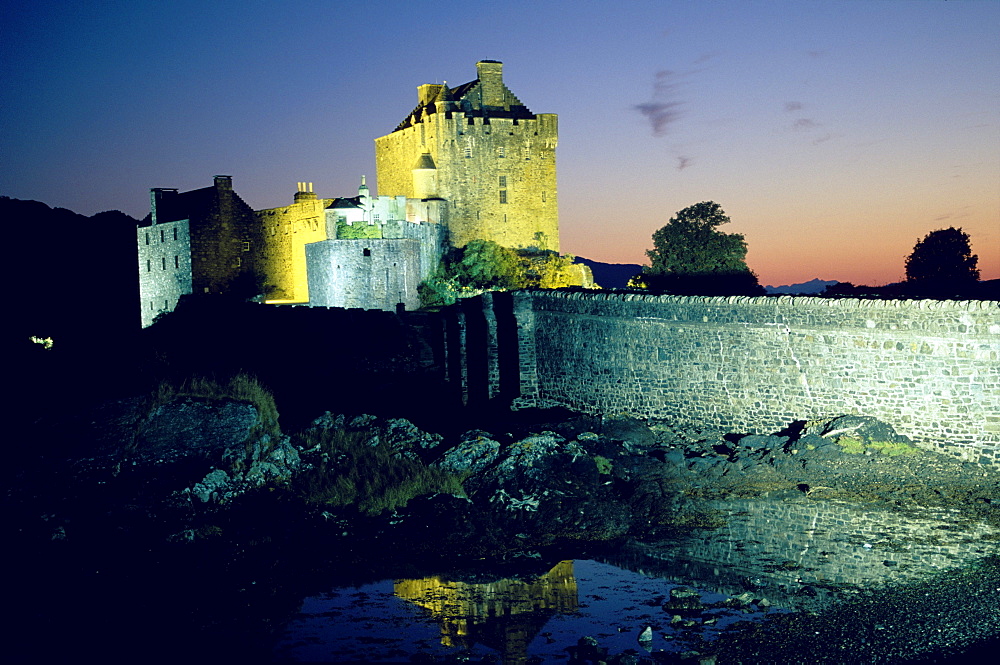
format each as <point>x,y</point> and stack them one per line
<point>611,275</point>
<point>812,287</point>
<point>70,277</point>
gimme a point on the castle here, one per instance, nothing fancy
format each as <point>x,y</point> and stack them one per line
<point>470,162</point>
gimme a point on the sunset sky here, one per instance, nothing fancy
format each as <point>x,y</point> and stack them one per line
<point>834,134</point>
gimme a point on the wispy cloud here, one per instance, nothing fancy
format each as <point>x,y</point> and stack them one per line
<point>665,108</point>
<point>683,163</point>
<point>791,107</point>
<point>806,123</point>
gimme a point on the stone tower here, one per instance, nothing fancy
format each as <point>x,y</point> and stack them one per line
<point>480,149</point>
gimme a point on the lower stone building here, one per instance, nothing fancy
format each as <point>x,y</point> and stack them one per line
<point>200,241</point>
<point>210,241</point>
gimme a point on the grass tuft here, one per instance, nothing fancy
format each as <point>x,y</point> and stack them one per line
<point>242,388</point>
<point>373,478</point>
<point>854,445</point>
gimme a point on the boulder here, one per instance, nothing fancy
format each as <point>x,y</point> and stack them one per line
<point>865,429</point>
<point>474,453</point>
<point>540,485</point>
<point>632,432</point>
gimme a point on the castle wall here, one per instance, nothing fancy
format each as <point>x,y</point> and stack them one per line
<point>164,267</point>
<point>224,232</point>
<point>282,254</point>
<point>498,175</point>
<point>929,368</point>
<point>370,273</point>
<point>493,161</point>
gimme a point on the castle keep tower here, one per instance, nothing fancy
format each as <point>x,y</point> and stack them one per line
<point>484,152</point>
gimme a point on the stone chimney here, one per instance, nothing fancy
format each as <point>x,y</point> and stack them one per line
<point>491,82</point>
<point>159,199</point>
<point>305,192</point>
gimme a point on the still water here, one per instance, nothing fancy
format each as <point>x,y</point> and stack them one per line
<point>764,558</point>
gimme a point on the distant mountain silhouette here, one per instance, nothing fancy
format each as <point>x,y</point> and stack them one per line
<point>72,277</point>
<point>811,287</point>
<point>611,275</point>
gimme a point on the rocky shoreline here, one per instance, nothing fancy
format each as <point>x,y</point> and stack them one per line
<point>220,481</point>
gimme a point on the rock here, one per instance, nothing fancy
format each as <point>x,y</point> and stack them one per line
<point>684,602</point>
<point>761,443</point>
<point>632,432</point>
<point>541,485</point>
<point>404,435</point>
<point>646,635</point>
<point>475,452</point>
<point>863,428</point>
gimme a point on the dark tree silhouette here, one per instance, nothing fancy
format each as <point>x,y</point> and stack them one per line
<point>691,256</point>
<point>942,264</point>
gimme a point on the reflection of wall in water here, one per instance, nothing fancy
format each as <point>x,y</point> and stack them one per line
<point>797,544</point>
<point>505,614</point>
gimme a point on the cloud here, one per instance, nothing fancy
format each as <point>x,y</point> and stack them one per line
<point>660,114</point>
<point>683,163</point>
<point>806,123</point>
<point>793,106</point>
<point>664,108</point>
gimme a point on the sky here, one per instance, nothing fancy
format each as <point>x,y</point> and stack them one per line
<point>835,134</point>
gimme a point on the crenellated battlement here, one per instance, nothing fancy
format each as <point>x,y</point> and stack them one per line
<point>493,160</point>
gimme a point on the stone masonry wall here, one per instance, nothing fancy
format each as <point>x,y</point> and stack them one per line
<point>930,368</point>
<point>164,252</point>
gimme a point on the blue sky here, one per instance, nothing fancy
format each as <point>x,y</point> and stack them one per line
<point>835,134</point>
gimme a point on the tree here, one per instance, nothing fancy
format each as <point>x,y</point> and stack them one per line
<point>484,264</point>
<point>691,256</point>
<point>942,264</point>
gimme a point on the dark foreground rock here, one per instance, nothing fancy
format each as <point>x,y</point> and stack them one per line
<point>210,495</point>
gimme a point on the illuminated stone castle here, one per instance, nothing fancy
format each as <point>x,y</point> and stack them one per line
<point>470,162</point>
<point>479,148</point>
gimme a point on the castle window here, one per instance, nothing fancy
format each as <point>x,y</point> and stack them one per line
<point>503,181</point>
<point>246,246</point>
<point>543,197</point>
<point>177,262</point>
<point>147,237</point>
<point>162,238</point>
<point>468,151</point>
<point>163,262</point>
<point>503,151</point>
<point>367,252</point>
<point>239,262</point>
<point>175,233</point>
<point>149,265</point>
<point>503,196</point>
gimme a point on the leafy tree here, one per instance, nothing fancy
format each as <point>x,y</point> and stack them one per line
<point>483,264</point>
<point>942,264</point>
<point>691,256</point>
<point>549,270</point>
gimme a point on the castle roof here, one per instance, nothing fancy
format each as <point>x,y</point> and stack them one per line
<point>345,202</point>
<point>175,206</point>
<point>467,98</point>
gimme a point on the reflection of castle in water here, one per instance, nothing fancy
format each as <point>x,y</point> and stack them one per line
<point>504,615</point>
<point>800,554</point>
